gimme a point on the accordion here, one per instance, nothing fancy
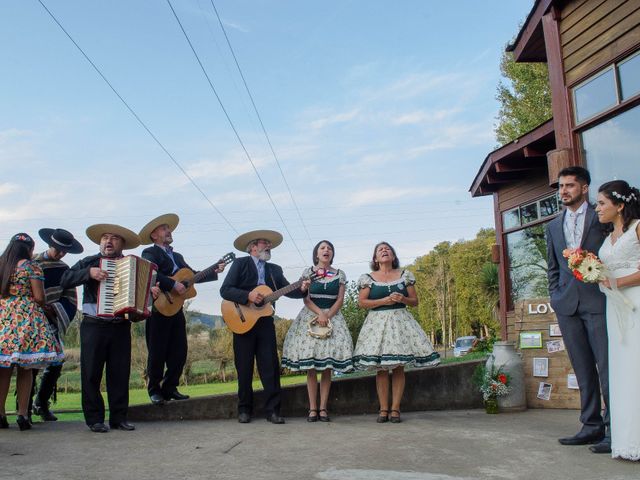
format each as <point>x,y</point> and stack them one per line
<point>127,291</point>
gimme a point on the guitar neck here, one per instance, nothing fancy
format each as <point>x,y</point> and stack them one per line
<point>272,297</point>
<point>204,273</point>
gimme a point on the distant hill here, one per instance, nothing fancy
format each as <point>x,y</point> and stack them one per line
<point>211,321</point>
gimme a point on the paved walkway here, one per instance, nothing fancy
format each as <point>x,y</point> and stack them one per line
<point>442,445</point>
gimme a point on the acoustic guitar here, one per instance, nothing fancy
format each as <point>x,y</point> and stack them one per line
<point>242,318</point>
<point>170,303</point>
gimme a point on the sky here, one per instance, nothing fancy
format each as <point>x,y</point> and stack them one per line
<point>379,113</point>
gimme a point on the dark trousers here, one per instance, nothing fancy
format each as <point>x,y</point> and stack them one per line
<point>258,343</point>
<point>105,344</point>
<point>585,336</point>
<point>48,381</point>
<point>167,345</point>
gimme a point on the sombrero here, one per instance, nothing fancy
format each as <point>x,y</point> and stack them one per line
<point>170,219</point>
<point>61,240</point>
<point>95,232</point>
<point>243,241</point>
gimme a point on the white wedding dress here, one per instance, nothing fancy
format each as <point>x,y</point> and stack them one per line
<point>623,324</point>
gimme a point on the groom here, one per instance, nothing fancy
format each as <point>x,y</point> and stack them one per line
<point>580,307</point>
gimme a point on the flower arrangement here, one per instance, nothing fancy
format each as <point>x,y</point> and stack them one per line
<point>492,382</point>
<point>584,265</point>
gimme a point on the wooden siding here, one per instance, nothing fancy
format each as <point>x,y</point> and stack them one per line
<point>519,320</point>
<point>594,33</point>
<point>523,191</point>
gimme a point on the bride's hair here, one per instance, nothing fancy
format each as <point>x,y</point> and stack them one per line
<point>621,193</point>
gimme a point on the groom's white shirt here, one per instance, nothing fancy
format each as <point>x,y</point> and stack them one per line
<point>573,225</point>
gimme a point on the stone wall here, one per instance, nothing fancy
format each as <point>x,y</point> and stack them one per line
<point>445,387</point>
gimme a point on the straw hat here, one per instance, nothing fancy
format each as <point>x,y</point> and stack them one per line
<point>170,219</point>
<point>95,233</point>
<point>243,241</point>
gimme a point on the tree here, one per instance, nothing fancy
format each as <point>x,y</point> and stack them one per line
<point>525,98</point>
<point>353,315</point>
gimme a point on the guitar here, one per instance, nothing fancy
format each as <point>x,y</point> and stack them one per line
<point>170,303</point>
<point>242,318</point>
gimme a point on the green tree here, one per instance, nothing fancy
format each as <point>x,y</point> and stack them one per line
<point>524,96</point>
<point>353,315</point>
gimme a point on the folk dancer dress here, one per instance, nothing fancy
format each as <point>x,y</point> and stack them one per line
<point>390,336</point>
<point>623,324</point>
<point>301,351</point>
<point>26,338</point>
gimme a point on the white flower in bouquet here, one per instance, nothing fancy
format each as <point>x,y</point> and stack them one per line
<point>591,269</point>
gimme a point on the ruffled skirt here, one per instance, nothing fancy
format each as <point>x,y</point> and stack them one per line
<point>302,352</point>
<point>26,339</point>
<point>390,338</point>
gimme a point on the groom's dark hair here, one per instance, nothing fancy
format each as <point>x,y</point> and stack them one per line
<point>581,174</point>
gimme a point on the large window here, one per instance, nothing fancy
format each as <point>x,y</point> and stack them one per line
<point>527,250</point>
<point>611,150</point>
<point>530,212</point>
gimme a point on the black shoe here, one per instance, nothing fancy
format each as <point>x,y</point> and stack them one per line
<point>583,438</point>
<point>244,417</point>
<point>395,418</point>
<point>313,416</point>
<point>325,417</point>
<point>275,418</point>
<point>45,414</point>
<point>176,395</point>
<point>99,428</point>
<point>126,426</point>
<point>157,399</point>
<point>3,421</point>
<point>603,447</point>
<point>23,423</point>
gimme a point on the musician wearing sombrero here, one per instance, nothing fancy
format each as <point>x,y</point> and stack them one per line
<point>60,308</point>
<point>167,335</point>
<point>259,343</point>
<point>103,341</point>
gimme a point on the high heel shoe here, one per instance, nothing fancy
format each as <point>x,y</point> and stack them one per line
<point>325,417</point>
<point>3,421</point>
<point>23,423</point>
<point>383,416</point>
<point>311,417</point>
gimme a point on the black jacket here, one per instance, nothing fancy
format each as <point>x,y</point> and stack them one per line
<point>79,275</point>
<point>243,277</point>
<point>158,256</point>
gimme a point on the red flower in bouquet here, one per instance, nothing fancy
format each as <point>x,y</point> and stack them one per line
<point>502,378</point>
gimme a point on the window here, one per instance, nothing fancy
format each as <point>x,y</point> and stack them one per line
<point>530,212</point>
<point>611,150</point>
<point>607,88</point>
<point>595,95</point>
<point>527,251</point>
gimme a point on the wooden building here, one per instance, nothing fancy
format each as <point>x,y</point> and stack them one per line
<point>592,48</point>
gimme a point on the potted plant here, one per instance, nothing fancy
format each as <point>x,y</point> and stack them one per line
<point>492,382</point>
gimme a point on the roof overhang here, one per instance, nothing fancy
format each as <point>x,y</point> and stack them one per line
<point>515,161</point>
<point>529,44</point>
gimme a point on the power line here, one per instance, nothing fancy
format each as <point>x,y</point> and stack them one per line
<point>135,115</point>
<point>233,127</point>
<point>264,130</point>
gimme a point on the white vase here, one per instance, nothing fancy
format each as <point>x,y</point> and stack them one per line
<point>505,357</point>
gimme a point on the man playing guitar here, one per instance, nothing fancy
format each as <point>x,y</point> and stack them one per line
<point>259,343</point>
<point>167,335</point>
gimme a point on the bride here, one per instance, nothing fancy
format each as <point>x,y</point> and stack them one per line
<point>619,206</point>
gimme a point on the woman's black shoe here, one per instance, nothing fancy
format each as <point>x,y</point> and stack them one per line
<point>325,417</point>
<point>3,421</point>
<point>313,416</point>
<point>23,423</point>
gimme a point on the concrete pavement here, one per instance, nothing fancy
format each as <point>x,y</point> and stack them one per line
<point>435,445</point>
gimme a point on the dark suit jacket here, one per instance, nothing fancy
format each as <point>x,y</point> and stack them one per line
<point>566,291</point>
<point>243,277</point>
<point>158,256</point>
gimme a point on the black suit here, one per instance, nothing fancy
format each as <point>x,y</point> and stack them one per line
<point>260,341</point>
<point>166,336</point>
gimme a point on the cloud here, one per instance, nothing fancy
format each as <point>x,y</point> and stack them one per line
<point>7,188</point>
<point>424,116</point>
<point>383,195</point>
<point>335,118</point>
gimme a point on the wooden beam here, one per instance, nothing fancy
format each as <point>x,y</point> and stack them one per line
<point>532,152</point>
<point>503,168</point>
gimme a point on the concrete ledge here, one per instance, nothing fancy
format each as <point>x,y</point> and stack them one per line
<point>445,387</point>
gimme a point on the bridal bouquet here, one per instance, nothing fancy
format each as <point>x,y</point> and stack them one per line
<point>588,268</point>
<point>584,265</point>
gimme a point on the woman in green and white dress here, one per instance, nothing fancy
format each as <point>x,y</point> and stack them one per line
<point>390,337</point>
<point>301,351</point>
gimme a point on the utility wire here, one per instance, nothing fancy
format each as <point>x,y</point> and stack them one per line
<point>264,130</point>
<point>132,111</point>
<point>233,127</point>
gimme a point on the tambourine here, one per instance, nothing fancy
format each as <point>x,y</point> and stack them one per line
<point>317,331</point>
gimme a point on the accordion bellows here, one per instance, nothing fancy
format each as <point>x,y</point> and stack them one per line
<point>128,288</point>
